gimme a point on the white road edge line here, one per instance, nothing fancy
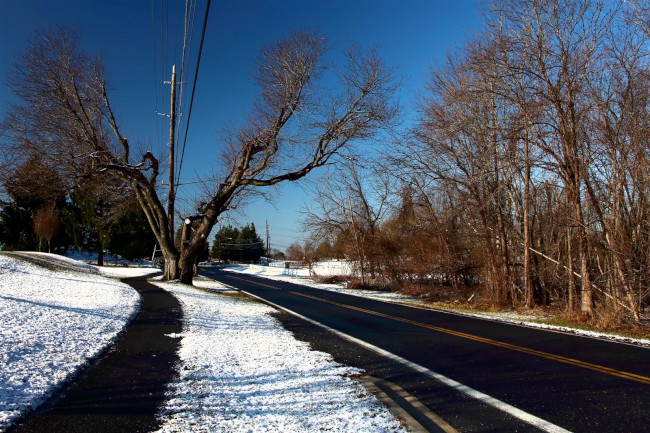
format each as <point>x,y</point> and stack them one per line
<point>609,338</point>
<point>464,389</point>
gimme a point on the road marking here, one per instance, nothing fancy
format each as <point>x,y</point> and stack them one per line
<point>457,386</point>
<point>399,401</point>
<point>558,358</point>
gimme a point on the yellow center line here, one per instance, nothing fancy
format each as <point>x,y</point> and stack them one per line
<point>546,355</point>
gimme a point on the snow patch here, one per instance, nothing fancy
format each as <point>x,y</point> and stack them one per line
<point>241,371</point>
<point>53,323</point>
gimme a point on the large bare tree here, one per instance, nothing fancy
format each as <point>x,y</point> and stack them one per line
<point>294,127</point>
<point>555,44</point>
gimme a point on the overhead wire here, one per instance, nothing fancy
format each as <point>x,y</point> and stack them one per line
<point>188,23</point>
<point>190,44</point>
<point>165,26</point>
<point>155,63</point>
<point>196,74</point>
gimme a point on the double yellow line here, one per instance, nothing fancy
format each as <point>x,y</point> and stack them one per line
<point>546,355</point>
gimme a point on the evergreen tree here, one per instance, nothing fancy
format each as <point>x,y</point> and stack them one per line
<point>90,222</point>
<point>238,244</point>
<point>130,236</point>
<point>16,229</point>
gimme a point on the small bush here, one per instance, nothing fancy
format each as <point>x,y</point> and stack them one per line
<point>437,292</point>
<point>381,285</point>
<point>331,279</point>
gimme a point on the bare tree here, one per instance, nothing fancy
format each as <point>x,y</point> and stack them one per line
<point>555,44</point>
<point>540,128</point>
<point>617,181</point>
<point>47,225</point>
<point>295,252</point>
<point>293,128</point>
<point>32,183</point>
<point>638,15</point>
<point>351,202</point>
<point>462,145</point>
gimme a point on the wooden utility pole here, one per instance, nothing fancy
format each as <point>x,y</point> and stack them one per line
<point>172,131</point>
<point>268,239</point>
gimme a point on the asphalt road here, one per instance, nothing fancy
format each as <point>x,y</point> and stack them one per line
<point>476,374</point>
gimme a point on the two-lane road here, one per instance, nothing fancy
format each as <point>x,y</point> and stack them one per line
<point>479,375</point>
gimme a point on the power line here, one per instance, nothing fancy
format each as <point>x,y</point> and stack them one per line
<point>196,75</point>
<point>186,20</point>
<point>155,62</point>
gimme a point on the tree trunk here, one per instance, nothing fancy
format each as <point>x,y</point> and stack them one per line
<point>171,271</point>
<point>587,295</point>
<point>100,252</point>
<point>570,272</point>
<point>187,268</point>
<point>504,261</point>
<point>193,239</point>
<point>587,304</point>
<point>528,280</point>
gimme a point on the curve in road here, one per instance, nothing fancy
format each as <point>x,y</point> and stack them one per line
<point>549,380</point>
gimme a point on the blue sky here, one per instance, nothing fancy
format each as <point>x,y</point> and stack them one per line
<point>130,36</point>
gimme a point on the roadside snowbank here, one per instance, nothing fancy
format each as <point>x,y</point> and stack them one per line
<point>241,372</point>
<point>54,321</point>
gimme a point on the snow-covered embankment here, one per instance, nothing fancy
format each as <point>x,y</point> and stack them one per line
<point>53,321</point>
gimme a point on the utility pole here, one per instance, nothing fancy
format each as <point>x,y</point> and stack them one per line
<point>268,238</point>
<point>172,131</point>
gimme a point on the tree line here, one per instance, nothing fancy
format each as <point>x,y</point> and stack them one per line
<point>525,180</point>
<point>43,212</point>
<point>237,244</point>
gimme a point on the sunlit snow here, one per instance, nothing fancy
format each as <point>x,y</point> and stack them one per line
<point>52,323</point>
<point>241,371</point>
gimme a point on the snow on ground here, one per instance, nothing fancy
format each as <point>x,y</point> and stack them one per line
<point>53,322</point>
<point>242,371</point>
<point>301,276</point>
<point>109,258</point>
